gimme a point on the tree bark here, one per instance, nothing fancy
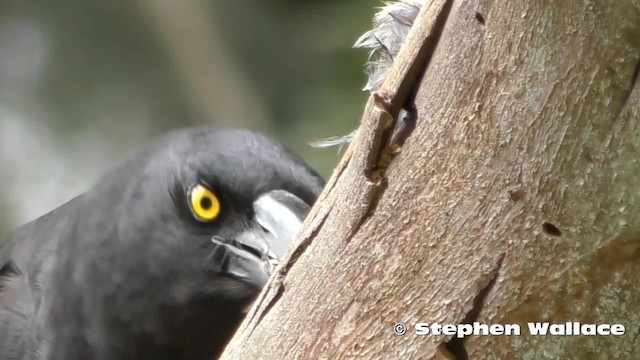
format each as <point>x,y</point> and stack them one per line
<point>515,199</point>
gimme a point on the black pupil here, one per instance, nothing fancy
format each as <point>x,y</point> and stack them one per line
<point>206,203</point>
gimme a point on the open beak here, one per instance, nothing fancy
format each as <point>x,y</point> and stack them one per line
<point>255,253</point>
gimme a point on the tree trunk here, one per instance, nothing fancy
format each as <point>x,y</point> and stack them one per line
<point>515,199</point>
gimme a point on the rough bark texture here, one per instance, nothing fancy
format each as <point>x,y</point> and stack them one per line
<point>516,198</point>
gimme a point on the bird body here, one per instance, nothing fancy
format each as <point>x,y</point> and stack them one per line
<point>161,258</point>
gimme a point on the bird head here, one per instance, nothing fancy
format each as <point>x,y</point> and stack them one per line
<point>176,242</point>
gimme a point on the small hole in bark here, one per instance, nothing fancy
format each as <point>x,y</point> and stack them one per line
<point>516,195</point>
<point>551,229</point>
<point>480,18</point>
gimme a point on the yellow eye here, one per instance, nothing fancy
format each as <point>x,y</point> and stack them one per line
<point>205,205</point>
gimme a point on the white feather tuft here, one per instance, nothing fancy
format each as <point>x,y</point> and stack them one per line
<point>391,26</point>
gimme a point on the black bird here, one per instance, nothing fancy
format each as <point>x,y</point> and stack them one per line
<point>161,258</point>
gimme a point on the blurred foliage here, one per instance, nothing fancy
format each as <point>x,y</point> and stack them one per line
<point>82,83</point>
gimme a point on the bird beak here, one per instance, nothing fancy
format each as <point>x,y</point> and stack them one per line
<point>281,214</point>
<point>255,253</point>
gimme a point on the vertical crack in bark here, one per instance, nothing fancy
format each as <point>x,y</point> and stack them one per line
<point>304,244</point>
<point>456,345</point>
<point>373,201</point>
<point>635,74</point>
<point>405,127</point>
<point>634,81</point>
<point>266,308</point>
<point>390,137</point>
<point>401,129</point>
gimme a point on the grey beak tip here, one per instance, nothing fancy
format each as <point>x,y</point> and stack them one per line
<point>281,214</point>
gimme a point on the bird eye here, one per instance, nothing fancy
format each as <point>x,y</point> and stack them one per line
<point>204,204</point>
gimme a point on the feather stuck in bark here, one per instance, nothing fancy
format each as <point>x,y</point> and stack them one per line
<point>391,26</point>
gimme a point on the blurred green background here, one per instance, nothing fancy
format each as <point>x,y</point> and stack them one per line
<point>82,83</point>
